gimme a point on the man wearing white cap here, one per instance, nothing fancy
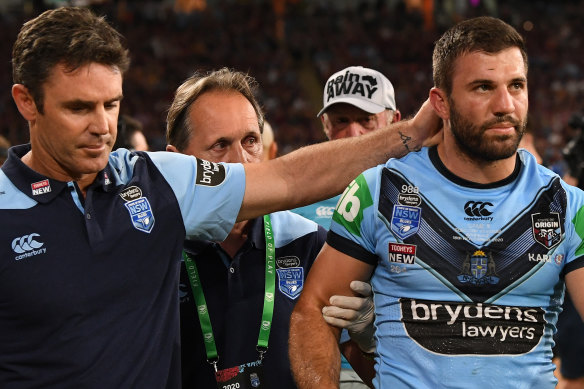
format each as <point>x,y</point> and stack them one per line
<point>356,100</point>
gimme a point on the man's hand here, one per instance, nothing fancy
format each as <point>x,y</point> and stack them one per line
<point>355,313</point>
<point>428,125</point>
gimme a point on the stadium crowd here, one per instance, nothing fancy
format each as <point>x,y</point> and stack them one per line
<point>292,53</point>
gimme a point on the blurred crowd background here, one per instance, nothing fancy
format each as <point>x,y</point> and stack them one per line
<point>292,46</point>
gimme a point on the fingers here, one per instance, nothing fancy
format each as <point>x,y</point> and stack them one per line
<point>362,288</point>
<point>348,302</point>
<point>334,321</point>
<point>340,313</point>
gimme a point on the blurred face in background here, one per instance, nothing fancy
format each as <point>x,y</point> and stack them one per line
<point>344,120</point>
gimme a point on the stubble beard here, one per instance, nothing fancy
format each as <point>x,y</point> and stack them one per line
<point>473,142</point>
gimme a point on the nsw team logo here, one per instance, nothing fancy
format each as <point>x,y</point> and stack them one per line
<point>405,220</point>
<point>291,281</point>
<point>479,269</point>
<point>141,214</point>
<point>547,229</point>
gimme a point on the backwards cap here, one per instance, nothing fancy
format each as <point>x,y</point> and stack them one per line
<point>364,88</point>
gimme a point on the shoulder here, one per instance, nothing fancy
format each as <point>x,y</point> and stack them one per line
<point>288,227</point>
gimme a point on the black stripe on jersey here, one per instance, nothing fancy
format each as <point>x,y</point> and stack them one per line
<point>507,253</point>
<point>574,265</point>
<point>351,248</point>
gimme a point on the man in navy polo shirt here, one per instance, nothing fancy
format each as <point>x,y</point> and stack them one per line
<point>91,239</point>
<point>223,123</point>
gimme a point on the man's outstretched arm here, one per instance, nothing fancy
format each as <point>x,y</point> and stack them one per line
<point>314,345</point>
<point>318,172</point>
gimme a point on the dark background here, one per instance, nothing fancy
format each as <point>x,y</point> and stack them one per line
<point>292,46</point>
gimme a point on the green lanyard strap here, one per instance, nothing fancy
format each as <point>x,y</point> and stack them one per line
<point>202,311</point>
<point>268,311</point>
<point>270,288</point>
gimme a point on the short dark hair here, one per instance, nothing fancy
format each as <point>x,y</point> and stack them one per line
<point>178,129</point>
<point>485,33</point>
<point>70,36</point>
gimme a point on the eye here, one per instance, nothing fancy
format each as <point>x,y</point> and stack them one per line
<point>113,105</point>
<point>251,140</point>
<point>219,146</point>
<point>518,85</point>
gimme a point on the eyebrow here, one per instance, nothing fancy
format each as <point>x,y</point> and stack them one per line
<point>89,103</point>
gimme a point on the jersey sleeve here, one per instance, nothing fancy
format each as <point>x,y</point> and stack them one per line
<point>209,194</point>
<point>575,229</point>
<point>352,229</point>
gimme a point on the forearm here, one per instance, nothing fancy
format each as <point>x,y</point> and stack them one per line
<point>320,171</point>
<point>314,352</point>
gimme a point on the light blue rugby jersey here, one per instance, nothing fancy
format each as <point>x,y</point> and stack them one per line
<point>469,278</point>
<point>321,212</point>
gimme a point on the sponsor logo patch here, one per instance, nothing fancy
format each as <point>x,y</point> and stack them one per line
<point>131,193</point>
<point>547,229</point>
<point>209,173</point>
<point>288,261</point>
<point>478,268</point>
<point>41,187</point>
<point>325,211</point>
<point>405,220</point>
<point>413,200</point>
<point>27,246</point>
<point>141,214</point>
<point>291,281</point>
<point>402,253</point>
<point>478,210</point>
<point>453,328</point>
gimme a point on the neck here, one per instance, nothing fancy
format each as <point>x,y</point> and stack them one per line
<point>475,170</point>
<point>36,164</point>
<point>236,238</point>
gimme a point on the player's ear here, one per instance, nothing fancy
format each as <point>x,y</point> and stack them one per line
<point>24,102</point>
<point>439,102</point>
<point>171,148</point>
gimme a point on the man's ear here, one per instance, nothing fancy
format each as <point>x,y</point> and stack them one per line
<point>171,148</point>
<point>326,130</point>
<point>439,102</point>
<point>24,102</point>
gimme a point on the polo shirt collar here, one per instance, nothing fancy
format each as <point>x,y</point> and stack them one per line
<point>41,188</point>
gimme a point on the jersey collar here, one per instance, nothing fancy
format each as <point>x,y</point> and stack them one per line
<point>41,188</point>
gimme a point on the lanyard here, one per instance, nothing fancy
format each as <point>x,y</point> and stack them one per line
<point>268,311</point>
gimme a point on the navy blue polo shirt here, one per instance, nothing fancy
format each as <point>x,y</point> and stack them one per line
<point>234,291</point>
<point>88,285</point>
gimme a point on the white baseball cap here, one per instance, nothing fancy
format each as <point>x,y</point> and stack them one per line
<point>364,88</point>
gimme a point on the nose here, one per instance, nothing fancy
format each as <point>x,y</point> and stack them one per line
<point>503,102</point>
<point>354,129</point>
<point>236,154</point>
<point>100,121</point>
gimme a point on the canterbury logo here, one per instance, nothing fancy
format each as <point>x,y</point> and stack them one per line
<point>28,246</point>
<point>26,243</point>
<point>477,208</point>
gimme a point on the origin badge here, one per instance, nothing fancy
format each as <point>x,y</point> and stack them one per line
<point>291,281</point>
<point>547,229</point>
<point>141,214</point>
<point>405,220</point>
